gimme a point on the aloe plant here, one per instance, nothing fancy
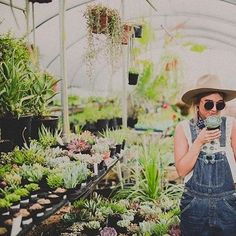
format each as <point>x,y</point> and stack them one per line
<point>44,92</point>
<point>16,82</point>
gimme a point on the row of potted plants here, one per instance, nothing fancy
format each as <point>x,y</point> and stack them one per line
<point>26,91</point>
<point>99,216</point>
<point>40,167</point>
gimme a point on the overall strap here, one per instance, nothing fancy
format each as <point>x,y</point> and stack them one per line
<point>193,129</point>
<point>223,132</point>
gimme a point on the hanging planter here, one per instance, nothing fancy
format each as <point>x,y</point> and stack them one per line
<point>133,76</point>
<point>138,30</point>
<point>40,1</point>
<point>101,19</point>
<point>126,34</point>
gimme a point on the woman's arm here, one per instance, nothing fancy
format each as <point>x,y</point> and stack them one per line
<point>233,138</point>
<point>185,157</point>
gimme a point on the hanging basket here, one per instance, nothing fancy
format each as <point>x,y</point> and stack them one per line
<point>126,34</point>
<point>138,31</point>
<point>40,1</point>
<point>100,25</point>
<point>133,78</point>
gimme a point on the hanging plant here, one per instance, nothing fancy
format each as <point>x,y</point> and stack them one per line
<point>103,21</point>
<point>127,33</point>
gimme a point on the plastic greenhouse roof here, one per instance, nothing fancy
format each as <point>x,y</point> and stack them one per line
<point>208,22</point>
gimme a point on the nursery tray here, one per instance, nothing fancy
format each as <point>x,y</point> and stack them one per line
<point>83,192</point>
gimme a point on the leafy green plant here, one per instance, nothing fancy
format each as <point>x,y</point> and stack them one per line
<point>4,203</point>
<point>22,192</point>
<point>12,197</point>
<point>32,187</point>
<point>48,139</point>
<point>10,45</point>
<point>43,90</point>
<point>133,70</point>
<point>16,83</point>
<point>55,180</point>
<point>149,175</point>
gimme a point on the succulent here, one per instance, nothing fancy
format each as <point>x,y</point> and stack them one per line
<point>22,192</point>
<point>32,187</point>
<point>213,122</point>
<point>123,223</point>
<point>108,231</point>
<point>4,203</point>
<point>12,197</point>
<point>33,173</point>
<point>12,179</point>
<point>88,137</point>
<point>54,180</point>
<point>93,224</point>
<point>78,145</point>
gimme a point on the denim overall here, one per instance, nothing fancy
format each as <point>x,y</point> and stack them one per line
<point>208,204</point>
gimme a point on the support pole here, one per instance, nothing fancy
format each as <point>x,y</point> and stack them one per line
<point>64,96</point>
<point>33,22</point>
<point>124,74</point>
<point>27,11</point>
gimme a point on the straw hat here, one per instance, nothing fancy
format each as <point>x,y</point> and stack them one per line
<point>207,83</point>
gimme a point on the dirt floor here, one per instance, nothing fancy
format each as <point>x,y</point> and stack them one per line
<point>52,226</point>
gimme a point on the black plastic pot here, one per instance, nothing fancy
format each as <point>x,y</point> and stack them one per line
<point>40,1</point>
<point>102,124</point>
<point>138,30</point>
<point>6,146</point>
<point>119,122</point>
<point>49,122</point>
<point>16,130</point>
<point>131,122</point>
<point>92,127</point>
<point>133,78</point>
<point>113,124</point>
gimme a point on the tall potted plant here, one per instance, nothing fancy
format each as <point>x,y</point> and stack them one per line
<point>44,93</point>
<point>15,94</point>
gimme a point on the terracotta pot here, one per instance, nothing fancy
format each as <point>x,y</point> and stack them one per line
<point>101,24</point>
<point>127,33</point>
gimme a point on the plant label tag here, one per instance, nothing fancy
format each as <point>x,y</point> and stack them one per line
<point>16,225</point>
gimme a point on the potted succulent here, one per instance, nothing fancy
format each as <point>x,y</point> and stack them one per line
<point>24,195</point>
<point>4,208</point>
<point>33,188</point>
<point>92,228</point>
<point>44,92</point>
<point>14,199</point>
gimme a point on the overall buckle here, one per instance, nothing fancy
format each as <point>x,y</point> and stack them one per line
<point>209,158</point>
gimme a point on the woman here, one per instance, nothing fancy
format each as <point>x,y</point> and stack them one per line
<point>206,159</point>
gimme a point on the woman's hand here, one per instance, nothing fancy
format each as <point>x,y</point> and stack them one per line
<point>206,136</point>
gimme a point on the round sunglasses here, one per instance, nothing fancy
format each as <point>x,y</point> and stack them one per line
<point>210,104</point>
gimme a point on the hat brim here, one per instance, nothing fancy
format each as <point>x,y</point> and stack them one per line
<point>189,96</point>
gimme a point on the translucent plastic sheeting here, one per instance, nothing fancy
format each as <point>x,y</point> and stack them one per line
<point>211,23</point>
